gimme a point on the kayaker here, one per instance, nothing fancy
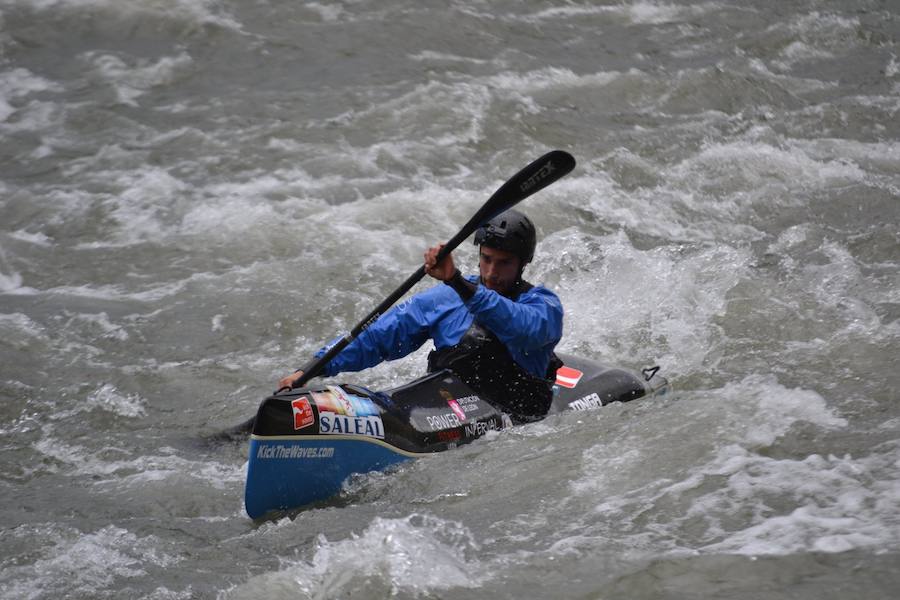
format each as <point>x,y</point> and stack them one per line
<point>496,331</point>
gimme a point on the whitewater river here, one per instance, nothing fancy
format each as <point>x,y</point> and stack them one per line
<point>195,194</point>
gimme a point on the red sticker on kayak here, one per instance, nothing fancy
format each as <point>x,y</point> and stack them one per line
<point>568,377</point>
<point>303,414</point>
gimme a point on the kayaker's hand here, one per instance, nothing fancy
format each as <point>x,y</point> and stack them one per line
<point>443,270</point>
<point>288,382</point>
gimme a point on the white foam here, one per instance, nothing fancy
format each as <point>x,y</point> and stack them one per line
<point>10,282</point>
<point>798,51</point>
<point>832,283</point>
<point>719,192</point>
<point>19,329</point>
<point>152,204</point>
<point>181,13</point>
<point>814,36</point>
<point>164,593</point>
<point>418,555</point>
<point>705,470</point>
<point>776,409</point>
<point>110,399</point>
<point>38,239</point>
<point>552,78</point>
<point>747,164</point>
<point>626,303</point>
<point>35,116</point>
<point>100,322</point>
<point>828,29</point>
<point>796,85</point>
<point>448,114</point>
<point>741,417</point>
<point>638,13</point>
<point>329,13</point>
<point>105,397</point>
<point>655,13</point>
<point>142,208</point>
<point>815,504</point>
<point>893,67</point>
<point>103,292</point>
<point>433,113</point>
<point>133,80</point>
<point>17,84</point>
<point>81,563</point>
<point>432,56</point>
<point>237,208</point>
<point>140,472</point>
<point>878,162</point>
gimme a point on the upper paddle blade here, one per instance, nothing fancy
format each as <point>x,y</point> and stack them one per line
<point>533,178</point>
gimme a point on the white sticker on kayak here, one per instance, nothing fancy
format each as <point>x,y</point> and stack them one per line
<point>588,402</point>
<point>334,423</point>
<point>335,399</point>
<point>568,377</point>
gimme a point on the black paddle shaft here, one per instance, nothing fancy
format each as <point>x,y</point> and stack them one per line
<point>533,178</point>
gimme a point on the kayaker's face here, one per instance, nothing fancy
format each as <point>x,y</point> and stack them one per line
<point>499,269</point>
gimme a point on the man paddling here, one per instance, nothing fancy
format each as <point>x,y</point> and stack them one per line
<point>496,331</point>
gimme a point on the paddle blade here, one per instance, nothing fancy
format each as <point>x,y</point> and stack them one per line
<point>533,178</point>
<point>536,176</point>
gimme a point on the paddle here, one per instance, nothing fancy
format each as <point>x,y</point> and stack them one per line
<point>533,178</point>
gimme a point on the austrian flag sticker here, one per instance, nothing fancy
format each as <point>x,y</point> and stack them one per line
<point>303,414</point>
<point>568,377</point>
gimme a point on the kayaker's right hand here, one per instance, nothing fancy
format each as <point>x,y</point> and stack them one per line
<point>288,382</point>
<point>443,270</point>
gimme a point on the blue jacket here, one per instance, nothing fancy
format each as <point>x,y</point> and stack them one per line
<point>530,327</point>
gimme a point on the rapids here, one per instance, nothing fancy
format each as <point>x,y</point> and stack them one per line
<point>195,194</point>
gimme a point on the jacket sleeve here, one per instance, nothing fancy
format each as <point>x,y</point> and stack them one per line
<point>395,334</point>
<point>531,322</point>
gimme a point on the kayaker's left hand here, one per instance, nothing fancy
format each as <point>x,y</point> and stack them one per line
<point>443,270</point>
<point>288,382</point>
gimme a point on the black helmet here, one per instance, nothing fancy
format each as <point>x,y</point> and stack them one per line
<point>511,231</point>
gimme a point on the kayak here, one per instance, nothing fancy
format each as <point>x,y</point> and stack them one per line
<point>307,442</point>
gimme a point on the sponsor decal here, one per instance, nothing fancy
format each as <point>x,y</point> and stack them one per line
<point>293,451</point>
<point>338,424</point>
<point>568,377</point>
<point>480,428</point>
<point>471,405</point>
<point>537,177</point>
<point>336,400</point>
<point>371,321</point>
<point>303,414</point>
<point>461,406</point>
<point>452,435</point>
<point>326,401</point>
<point>587,402</point>
<point>362,406</point>
<point>444,421</point>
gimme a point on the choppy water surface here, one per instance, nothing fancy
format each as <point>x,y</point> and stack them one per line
<point>194,194</point>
